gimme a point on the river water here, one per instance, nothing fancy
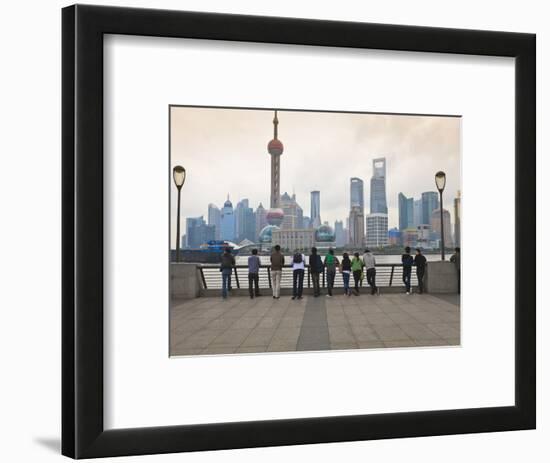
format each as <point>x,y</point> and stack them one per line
<point>380,259</point>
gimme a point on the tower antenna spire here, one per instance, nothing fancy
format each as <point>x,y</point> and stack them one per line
<point>275,124</point>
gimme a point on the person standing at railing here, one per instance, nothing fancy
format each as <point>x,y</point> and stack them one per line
<point>226,267</point>
<point>298,268</point>
<point>277,264</point>
<point>331,264</point>
<point>253,274</point>
<point>357,269</point>
<point>315,270</point>
<point>370,267</point>
<point>420,263</point>
<point>407,261</point>
<point>345,268</point>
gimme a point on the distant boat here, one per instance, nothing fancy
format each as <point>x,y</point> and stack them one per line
<point>208,253</point>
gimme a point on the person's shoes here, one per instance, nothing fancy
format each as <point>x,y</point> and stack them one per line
<point>299,297</point>
<point>251,297</point>
<point>293,297</point>
<point>329,295</point>
<point>274,297</point>
<point>407,293</point>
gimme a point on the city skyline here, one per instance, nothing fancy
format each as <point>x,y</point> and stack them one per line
<point>207,132</point>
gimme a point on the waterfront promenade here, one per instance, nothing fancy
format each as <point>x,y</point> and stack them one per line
<point>210,325</point>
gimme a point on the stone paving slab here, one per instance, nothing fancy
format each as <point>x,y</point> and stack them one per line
<point>213,326</point>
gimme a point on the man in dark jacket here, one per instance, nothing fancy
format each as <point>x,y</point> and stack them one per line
<point>315,270</point>
<point>226,267</point>
<point>420,263</point>
<point>407,261</point>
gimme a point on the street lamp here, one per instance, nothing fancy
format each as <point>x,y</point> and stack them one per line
<point>440,179</point>
<point>178,173</point>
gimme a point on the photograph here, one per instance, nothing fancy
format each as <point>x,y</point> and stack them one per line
<point>296,230</point>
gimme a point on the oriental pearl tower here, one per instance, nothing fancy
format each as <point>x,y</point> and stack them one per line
<point>275,149</point>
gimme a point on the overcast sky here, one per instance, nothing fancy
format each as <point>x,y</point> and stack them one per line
<point>225,151</point>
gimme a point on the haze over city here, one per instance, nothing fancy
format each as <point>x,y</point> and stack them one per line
<point>225,152</point>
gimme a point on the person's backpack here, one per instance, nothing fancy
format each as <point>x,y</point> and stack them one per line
<point>297,258</point>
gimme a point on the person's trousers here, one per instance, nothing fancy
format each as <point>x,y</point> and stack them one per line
<point>331,274</point>
<point>253,280</point>
<point>345,277</point>
<point>371,279</point>
<point>226,276</point>
<point>315,281</point>
<point>276,282</point>
<point>407,279</point>
<point>357,279</point>
<point>297,282</point>
<point>420,276</point>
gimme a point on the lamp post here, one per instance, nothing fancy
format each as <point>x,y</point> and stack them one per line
<point>440,179</point>
<point>178,173</point>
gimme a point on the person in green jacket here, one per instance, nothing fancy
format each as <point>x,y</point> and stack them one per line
<point>331,264</point>
<point>357,270</point>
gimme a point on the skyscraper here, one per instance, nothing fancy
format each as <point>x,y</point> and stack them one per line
<point>245,221</point>
<point>378,202</point>
<point>457,219</point>
<point>293,213</point>
<point>356,193</point>
<point>406,211</point>
<point>214,219</point>
<point>275,149</point>
<point>227,231</point>
<point>198,232</point>
<point>315,211</point>
<point>339,233</point>
<point>430,202</point>
<point>356,227</point>
<point>377,230</point>
<point>417,212</point>
<point>436,226</point>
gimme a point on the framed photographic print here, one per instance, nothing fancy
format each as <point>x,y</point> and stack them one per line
<point>284,231</point>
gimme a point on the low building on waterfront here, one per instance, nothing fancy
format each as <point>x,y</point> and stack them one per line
<point>292,239</point>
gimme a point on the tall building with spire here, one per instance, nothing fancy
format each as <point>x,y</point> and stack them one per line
<point>275,214</point>
<point>227,231</point>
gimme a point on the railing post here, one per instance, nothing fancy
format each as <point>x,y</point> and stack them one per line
<point>269,276</point>
<point>237,278</point>
<point>391,275</point>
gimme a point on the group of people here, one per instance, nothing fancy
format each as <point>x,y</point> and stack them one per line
<point>348,267</point>
<point>356,266</point>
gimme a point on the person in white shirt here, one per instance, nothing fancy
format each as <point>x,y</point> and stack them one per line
<point>298,269</point>
<point>370,266</point>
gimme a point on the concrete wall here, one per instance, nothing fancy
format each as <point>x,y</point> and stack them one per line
<point>185,281</point>
<point>441,277</point>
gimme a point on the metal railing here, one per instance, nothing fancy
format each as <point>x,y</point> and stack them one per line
<point>387,275</point>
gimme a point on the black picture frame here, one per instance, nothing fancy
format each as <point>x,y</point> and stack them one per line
<point>83,433</point>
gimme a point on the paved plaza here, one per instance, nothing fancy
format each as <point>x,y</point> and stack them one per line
<point>211,325</point>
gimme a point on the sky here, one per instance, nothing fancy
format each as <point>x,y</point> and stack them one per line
<point>224,151</point>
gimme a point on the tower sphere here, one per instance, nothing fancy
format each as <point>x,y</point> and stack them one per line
<point>275,216</point>
<point>275,147</point>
